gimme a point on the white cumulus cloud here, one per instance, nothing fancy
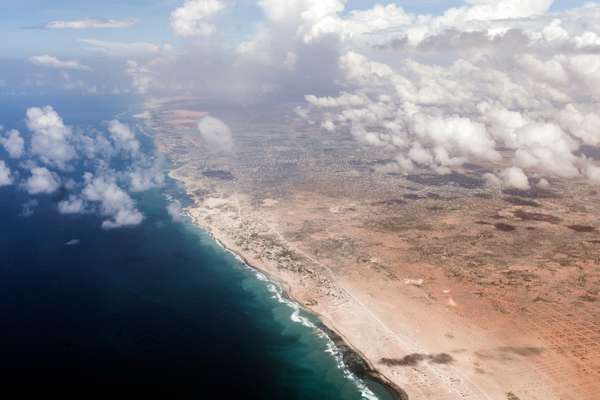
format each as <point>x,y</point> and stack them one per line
<point>82,162</point>
<point>13,143</point>
<point>492,82</point>
<point>114,202</point>
<point>42,181</point>
<point>191,19</point>
<point>5,175</point>
<point>50,139</point>
<point>123,137</point>
<point>216,134</point>
<point>73,205</point>
<point>53,62</point>
<point>515,177</point>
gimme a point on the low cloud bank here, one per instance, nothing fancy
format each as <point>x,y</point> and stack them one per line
<point>504,83</point>
<point>500,83</point>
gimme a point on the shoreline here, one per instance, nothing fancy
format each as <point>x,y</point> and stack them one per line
<point>383,275</point>
<point>354,360</point>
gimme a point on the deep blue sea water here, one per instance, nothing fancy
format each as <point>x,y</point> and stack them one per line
<point>159,309</point>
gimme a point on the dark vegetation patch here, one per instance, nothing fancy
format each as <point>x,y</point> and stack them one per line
<point>539,299</point>
<point>218,174</point>
<point>533,193</point>
<point>485,196</point>
<point>412,196</point>
<point>511,396</point>
<point>434,196</point>
<point>455,179</point>
<point>581,228</point>
<point>522,351</point>
<point>200,194</point>
<point>475,168</point>
<point>435,208</point>
<point>412,360</point>
<point>360,163</point>
<point>431,196</point>
<point>520,276</point>
<point>518,201</point>
<point>589,298</point>
<point>504,227</point>
<point>390,202</point>
<point>397,224</point>
<point>528,216</point>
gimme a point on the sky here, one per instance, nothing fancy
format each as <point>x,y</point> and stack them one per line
<point>152,16</point>
<point>443,84</point>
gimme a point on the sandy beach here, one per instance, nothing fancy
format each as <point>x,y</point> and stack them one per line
<point>366,313</point>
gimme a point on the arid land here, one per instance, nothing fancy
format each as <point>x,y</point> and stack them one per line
<point>451,289</point>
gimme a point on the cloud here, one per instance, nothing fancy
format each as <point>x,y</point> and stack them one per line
<point>141,76</point>
<point>5,175</point>
<point>146,175</point>
<point>95,147</point>
<point>122,49</point>
<point>53,62</point>
<point>114,203</point>
<point>123,137</point>
<point>447,90</point>
<point>28,208</point>
<point>73,205</point>
<point>216,134</point>
<point>515,177</point>
<point>175,211</point>
<point>499,83</point>
<point>312,17</point>
<point>317,19</point>
<point>41,181</point>
<point>92,24</point>
<point>191,19</point>
<point>66,152</point>
<point>272,62</point>
<point>50,139</point>
<point>13,143</point>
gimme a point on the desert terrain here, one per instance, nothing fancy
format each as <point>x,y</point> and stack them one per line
<point>448,287</point>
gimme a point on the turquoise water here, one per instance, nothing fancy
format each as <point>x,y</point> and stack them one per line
<point>155,309</point>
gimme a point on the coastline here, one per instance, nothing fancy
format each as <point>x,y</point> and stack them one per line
<point>374,321</point>
<point>382,272</point>
<point>354,360</point>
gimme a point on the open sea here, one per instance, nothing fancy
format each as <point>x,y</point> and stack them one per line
<point>156,310</point>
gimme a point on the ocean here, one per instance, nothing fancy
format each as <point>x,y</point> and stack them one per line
<point>159,309</point>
